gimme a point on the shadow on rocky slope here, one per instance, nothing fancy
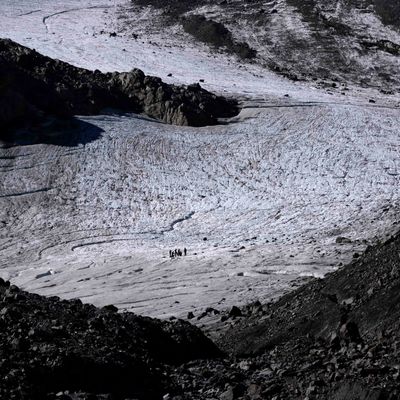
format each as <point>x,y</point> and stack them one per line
<point>48,345</point>
<point>335,339</point>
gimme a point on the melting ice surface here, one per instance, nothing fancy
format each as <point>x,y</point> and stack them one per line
<point>258,202</point>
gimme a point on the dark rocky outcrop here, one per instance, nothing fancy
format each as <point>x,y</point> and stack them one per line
<point>216,34</point>
<point>33,86</point>
<point>48,346</point>
<point>205,30</point>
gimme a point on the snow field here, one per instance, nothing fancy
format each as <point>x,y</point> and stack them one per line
<point>270,191</point>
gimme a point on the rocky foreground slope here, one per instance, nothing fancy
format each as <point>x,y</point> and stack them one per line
<point>336,338</point>
<point>33,86</point>
<point>48,345</point>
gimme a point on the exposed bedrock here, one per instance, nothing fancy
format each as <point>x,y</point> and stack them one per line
<point>33,86</point>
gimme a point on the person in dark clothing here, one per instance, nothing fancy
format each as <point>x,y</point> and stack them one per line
<point>184,251</point>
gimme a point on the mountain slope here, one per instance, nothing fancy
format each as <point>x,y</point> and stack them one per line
<point>347,42</point>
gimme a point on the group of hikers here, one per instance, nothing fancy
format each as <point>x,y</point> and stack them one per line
<point>177,253</point>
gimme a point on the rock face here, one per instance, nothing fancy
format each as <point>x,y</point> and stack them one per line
<point>32,86</point>
<point>190,105</point>
<point>48,346</point>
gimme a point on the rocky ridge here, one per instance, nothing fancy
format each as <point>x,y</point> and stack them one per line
<point>33,86</point>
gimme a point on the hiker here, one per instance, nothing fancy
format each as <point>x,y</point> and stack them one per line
<point>184,251</point>
<point>179,252</point>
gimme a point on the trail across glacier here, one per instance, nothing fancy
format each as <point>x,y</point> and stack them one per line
<point>258,202</point>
